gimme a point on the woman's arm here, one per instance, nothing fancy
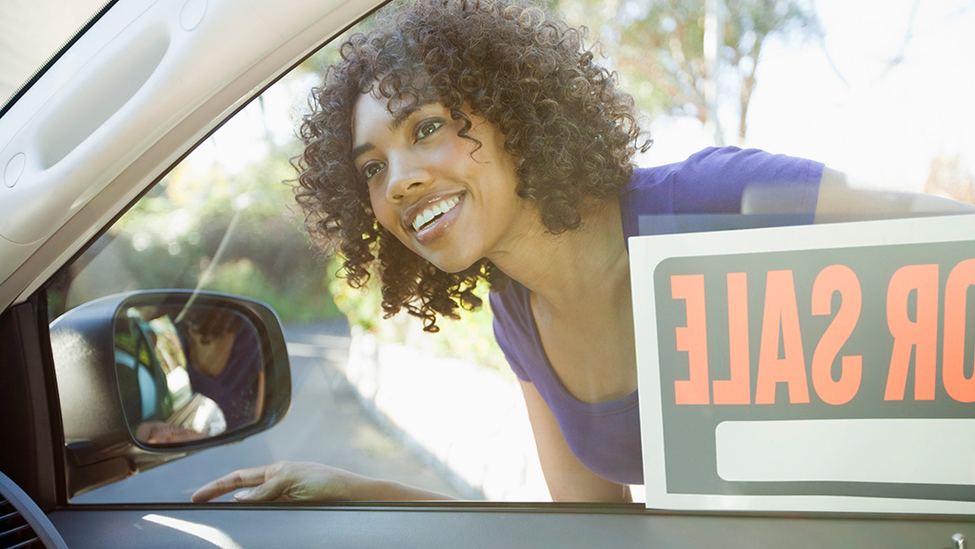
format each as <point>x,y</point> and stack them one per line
<point>838,201</point>
<point>290,481</point>
<point>567,478</point>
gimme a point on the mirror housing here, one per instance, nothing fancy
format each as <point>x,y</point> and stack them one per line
<point>100,442</point>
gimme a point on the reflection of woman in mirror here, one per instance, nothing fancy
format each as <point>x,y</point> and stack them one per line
<point>224,362</point>
<point>463,142</point>
<point>221,357</point>
<point>160,404</point>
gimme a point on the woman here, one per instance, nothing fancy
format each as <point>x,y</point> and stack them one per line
<point>468,141</point>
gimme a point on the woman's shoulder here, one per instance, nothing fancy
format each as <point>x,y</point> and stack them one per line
<point>727,162</point>
<point>713,180</point>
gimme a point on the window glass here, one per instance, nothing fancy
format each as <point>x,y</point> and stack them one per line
<point>225,220</point>
<point>445,412</point>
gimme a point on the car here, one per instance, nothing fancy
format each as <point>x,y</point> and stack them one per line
<point>124,258</point>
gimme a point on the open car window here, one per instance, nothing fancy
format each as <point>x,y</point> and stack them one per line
<point>445,411</point>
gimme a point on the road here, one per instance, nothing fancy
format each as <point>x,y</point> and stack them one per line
<point>326,424</point>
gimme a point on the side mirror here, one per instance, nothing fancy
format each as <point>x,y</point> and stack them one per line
<point>151,376</point>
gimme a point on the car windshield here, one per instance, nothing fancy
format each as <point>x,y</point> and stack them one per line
<point>34,31</point>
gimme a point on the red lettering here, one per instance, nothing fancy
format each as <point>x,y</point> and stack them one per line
<point>832,279</point>
<point>737,389</point>
<point>781,316</point>
<point>920,335</point>
<point>958,386</point>
<point>692,339</point>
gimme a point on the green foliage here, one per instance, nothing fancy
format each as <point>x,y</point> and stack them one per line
<point>301,298</point>
<point>237,233</point>
<point>660,50</point>
<point>661,55</point>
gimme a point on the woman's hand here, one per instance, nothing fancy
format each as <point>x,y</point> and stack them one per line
<point>160,432</point>
<point>285,481</point>
<point>290,481</point>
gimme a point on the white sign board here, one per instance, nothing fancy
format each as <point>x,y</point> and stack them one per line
<point>809,368</point>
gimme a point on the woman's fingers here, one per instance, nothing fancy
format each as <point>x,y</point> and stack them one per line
<point>276,487</point>
<point>280,481</point>
<point>240,479</point>
<point>290,481</point>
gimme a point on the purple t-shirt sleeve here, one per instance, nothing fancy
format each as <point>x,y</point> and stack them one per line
<point>706,192</point>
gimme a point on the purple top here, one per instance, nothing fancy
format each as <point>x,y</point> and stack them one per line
<point>606,436</point>
<point>236,388</point>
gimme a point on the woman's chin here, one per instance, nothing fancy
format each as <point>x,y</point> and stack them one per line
<point>452,265</point>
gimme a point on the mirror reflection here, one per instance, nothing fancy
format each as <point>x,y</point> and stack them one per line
<point>187,373</point>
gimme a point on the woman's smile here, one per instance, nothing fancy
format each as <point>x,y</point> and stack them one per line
<point>434,220</point>
<point>432,212</point>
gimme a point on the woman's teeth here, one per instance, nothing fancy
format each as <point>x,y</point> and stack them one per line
<point>433,211</point>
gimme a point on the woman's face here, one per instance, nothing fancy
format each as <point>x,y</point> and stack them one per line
<point>428,186</point>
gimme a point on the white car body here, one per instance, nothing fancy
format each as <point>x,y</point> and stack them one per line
<point>133,94</point>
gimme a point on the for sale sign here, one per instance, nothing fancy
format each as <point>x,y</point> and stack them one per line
<point>812,368</point>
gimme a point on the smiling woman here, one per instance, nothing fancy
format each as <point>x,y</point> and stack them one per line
<point>466,141</point>
<point>530,77</point>
<point>469,141</point>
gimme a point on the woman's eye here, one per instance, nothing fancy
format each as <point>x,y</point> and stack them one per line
<point>372,169</point>
<point>427,127</point>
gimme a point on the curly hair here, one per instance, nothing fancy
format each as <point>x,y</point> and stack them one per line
<point>571,131</point>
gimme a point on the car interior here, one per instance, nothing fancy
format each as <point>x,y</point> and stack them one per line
<point>148,233</point>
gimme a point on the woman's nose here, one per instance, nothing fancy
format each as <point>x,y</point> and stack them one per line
<point>406,176</point>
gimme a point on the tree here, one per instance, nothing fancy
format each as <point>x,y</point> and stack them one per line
<point>674,53</point>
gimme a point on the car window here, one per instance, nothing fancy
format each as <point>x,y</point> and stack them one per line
<point>31,33</point>
<point>445,411</point>
<point>225,220</point>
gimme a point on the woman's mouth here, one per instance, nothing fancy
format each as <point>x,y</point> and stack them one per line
<point>433,212</point>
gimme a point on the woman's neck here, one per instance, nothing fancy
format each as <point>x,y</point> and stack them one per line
<point>566,270</point>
